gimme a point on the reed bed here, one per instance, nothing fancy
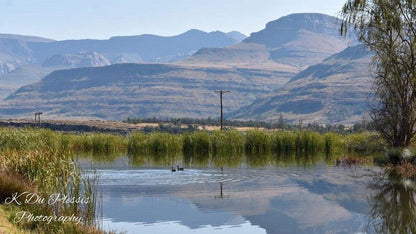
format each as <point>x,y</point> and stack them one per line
<point>227,143</point>
<point>205,144</point>
<point>231,148</point>
<point>300,143</point>
<point>154,143</point>
<point>41,161</point>
<point>98,143</point>
<point>198,143</point>
<point>202,143</point>
<point>258,142</point>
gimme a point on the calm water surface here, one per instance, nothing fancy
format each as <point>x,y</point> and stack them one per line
<point>317,198</point>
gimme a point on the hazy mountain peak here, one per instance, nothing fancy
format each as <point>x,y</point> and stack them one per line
<point>303,19</point>
<point>194,32</point>
<point>315,22</point>
<point>236,36</point>
<point>298,40</point>
<point>290,27</point>
<point>233,35</point>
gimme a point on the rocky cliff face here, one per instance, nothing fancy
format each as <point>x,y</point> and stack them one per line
<point>81,59</point>
<point>13,53</point>
<point>6,68</point>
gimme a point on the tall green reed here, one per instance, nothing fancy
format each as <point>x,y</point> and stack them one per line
<point>44,158</point>
<point>258,142</point>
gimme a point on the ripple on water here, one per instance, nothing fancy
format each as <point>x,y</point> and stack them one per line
<point>151,177</point>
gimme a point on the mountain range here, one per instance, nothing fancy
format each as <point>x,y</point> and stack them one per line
<point>27,59</point>
<point>297,40</point>
<point>20,50</point>
<point>298,65</point>
<point>148,90</point>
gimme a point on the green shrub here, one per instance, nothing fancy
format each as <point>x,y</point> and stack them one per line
<point>364,143</point>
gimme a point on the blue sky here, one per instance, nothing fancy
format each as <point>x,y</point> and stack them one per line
<point>101,19</point>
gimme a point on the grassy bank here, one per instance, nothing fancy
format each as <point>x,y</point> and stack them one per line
<point>41,162</point>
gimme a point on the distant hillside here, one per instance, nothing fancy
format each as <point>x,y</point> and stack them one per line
<point>14,50</point>
<point>146,90</point>
<point>334,91</point>
<point>243,55</point>
<point>150,48</point>
<point>25,38</point>
<point>19,53</point>
<point>22,75</point>
<point>297,41</point>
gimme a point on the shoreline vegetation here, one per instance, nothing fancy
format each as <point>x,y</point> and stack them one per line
<point>44,162</point>
<point>35,164</point>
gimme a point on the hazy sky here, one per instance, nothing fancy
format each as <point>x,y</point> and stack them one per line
<point>101,19</point>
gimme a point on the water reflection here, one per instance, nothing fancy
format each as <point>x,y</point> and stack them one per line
<point>167,160</point>
<point>219,161</point>
<point>252,194</point>
<point>273,200</point>
<point>394,208</point>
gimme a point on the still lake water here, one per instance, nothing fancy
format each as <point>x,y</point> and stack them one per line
<point>297,198</point>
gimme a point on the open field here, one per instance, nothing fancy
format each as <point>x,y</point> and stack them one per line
<point>80,125</point>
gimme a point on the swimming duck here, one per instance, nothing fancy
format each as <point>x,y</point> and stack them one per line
<point>179,168</point>
<point>172,169</point>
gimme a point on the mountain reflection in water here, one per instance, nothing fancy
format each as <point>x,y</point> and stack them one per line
<point>303,195</point>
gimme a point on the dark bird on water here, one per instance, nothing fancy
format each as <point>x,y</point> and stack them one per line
<point>172,169</point>
<point>179,168</point>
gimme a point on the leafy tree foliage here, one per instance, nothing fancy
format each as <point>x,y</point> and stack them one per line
<point>388,28</point>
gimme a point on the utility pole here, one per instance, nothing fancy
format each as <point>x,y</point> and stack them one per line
<point>37,117</point>
<point>221,92</point>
